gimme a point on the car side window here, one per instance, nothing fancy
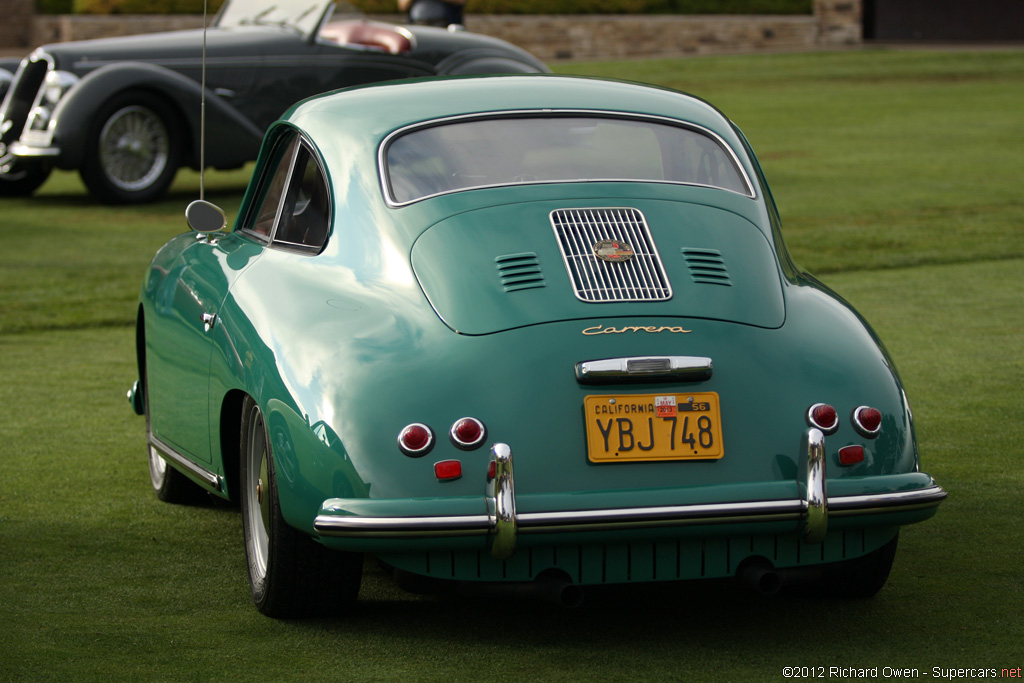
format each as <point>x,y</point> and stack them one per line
<point>294,204</point>
<point>273,187</point>
<point>305,214</point>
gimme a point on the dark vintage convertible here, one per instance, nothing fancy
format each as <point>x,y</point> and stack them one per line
<point>428,280</point>
<point>125,112</point>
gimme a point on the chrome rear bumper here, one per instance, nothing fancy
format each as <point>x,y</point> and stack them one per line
<point>504,525</point>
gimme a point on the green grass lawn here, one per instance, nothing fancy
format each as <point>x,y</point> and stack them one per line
<point>897,174</point>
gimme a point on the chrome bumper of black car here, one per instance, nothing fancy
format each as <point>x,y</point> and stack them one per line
<point>23,151</point>
<point>505,525</point>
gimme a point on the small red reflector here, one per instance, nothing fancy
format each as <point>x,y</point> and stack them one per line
<point>824,417</point>
<point>416,440</point>
<point>448,469</point>
<point>851,455</point>
<point>867,420</point>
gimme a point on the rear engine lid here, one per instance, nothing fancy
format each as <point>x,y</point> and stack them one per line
<point>503,267</point>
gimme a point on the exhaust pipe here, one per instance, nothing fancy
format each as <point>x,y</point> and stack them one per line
<point>758,574</point>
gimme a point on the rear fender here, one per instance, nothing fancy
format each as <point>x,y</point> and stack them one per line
<point>238,139</point>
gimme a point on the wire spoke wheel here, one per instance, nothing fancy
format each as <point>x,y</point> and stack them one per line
<point>134,146</point>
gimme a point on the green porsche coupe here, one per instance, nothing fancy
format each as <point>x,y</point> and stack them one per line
<point>535,330</point>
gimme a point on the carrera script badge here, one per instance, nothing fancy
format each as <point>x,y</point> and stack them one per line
<point>653,329</point>
<point>614,251</point>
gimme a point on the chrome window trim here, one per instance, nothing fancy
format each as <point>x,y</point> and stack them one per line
<point>270,240</point>
<point>263,189</point>
<point>389,199</point>
<point>309,250</point>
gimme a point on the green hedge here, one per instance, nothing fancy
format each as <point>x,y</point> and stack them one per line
<point>54,6</point>
<point>472,6</point>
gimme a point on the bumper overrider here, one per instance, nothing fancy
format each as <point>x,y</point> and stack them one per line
<point>502,525</point>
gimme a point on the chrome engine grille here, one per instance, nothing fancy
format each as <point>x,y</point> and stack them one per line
<point>641,278</point>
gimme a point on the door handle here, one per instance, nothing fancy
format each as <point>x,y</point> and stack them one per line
<point>208,319</point>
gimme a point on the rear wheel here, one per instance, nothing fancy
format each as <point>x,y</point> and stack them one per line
<point>290,574</point>
<point>133,150</point>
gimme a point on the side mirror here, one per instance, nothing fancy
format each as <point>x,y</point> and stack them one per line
<point>204,217</point>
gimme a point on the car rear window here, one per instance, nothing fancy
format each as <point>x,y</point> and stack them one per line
<point>475,153</point>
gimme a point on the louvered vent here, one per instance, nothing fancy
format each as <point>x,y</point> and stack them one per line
<point>707,267</point>
<point>519,271</point>
<point>640,278</point>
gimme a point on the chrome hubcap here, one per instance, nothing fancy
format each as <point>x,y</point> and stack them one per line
<point>256,486</point>
<point>157,469</point>
<point>133,148</point>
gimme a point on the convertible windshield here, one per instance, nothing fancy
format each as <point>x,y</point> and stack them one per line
<point>460,155</point>
<point>301,15</point>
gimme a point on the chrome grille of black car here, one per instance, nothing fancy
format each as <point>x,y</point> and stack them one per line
<point>707,267</point>
<point>22,96</point>
<point>640,278</point>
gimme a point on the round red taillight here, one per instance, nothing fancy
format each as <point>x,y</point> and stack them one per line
<point>867,421</point>
<point>416,440</point>
<point>824,417</point>
<point>468,433</point>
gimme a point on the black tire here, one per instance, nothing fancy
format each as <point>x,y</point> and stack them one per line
<point>290,575</point>
<point>133,150</point>
<point>22,178</point>
<point>859,578</point>
<point>170,485</point>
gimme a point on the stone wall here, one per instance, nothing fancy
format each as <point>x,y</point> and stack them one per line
<point>14,28</point>
<point>557,37</point>
<point>618,37</point>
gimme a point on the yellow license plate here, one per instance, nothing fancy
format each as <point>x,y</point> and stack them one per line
<point>635,427</point>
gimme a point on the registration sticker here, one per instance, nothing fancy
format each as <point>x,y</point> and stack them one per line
<point>665,406</point>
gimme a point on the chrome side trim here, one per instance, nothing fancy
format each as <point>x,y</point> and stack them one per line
<point>815,494</point>
<point>676,368</point>
<point>204,476</point>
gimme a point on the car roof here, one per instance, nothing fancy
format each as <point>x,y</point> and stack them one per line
<point>376,110</point>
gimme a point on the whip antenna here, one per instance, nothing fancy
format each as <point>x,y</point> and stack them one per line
<point>202,117</point>
<point>203,216</point>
